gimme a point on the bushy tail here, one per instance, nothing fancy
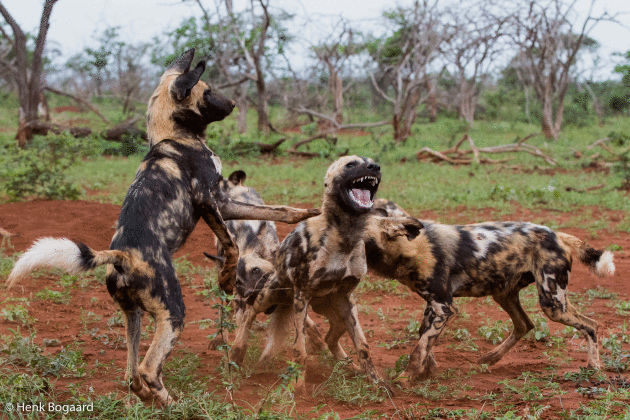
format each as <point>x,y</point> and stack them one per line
<point>72,257</point>
<point>600,262</point>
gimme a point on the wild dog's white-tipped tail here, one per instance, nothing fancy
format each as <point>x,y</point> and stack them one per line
<point>48,253</point>
<point>605,266</point>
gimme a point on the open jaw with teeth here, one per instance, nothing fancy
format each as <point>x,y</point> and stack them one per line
<point>362,191</point>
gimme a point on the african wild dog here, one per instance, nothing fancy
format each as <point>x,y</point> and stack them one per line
<point>176,184</point>
<point>323,259</point>
<point>257,242</point>
<point>493,258</point>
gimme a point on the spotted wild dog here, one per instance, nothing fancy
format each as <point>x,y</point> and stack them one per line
<point>257,242</point>
<point>323,259</point>
<point>495,259</point>
<point>176,184</point>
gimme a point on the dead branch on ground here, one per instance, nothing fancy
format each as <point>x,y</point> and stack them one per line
<point>266,148</point>
<point>127,127</point>
<point>457,156</point>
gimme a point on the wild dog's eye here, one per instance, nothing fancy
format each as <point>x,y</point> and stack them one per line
<point>256,271</point>
<point>351,164</point>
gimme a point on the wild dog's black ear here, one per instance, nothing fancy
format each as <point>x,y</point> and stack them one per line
<point>182,64</point>
<point>182,86</point>
<point>413,228</point>
<point>237,177</point>
<point>215,258</point>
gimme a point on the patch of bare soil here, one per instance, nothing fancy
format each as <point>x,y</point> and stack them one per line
<point>459,383</point>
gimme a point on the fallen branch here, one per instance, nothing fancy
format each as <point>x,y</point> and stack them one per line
<point>127,127</point>
<point>583,190</point>
<point>460,158</point>
<point>266,148</point>
<point>79,100</point>
<point>43,127</point>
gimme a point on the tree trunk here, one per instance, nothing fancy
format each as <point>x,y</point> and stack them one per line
<point>467,102</point>
<point>403,120</point>
<point>336,88</point>
<point>28,78</point>
<point>431,100</point>
<point>243,105</point>
<point>548,124</point>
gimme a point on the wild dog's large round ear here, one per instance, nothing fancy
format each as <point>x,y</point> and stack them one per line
<point>182,86</point>
<point>413,227</point>
<point>182,64</point>
<point>237,177</point>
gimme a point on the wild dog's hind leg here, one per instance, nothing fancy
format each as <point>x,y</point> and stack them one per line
<point>511,304</point>
<point>133,323</point>
<point>168,311</point>
<point>552,291</point>
<point>421,359</point>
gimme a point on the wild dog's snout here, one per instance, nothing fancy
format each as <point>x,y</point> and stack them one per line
<point>373,166</point>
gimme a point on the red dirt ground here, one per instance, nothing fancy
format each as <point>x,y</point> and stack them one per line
<point>93,224</point>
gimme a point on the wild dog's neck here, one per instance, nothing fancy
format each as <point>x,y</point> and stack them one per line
<point>341,220</point>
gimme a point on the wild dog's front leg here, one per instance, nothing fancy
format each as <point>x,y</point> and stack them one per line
<point>227,276</point>
<point>346,309</point>
<point>300,306</point>
<point>421,361</point>
<point>235,210</point>
<point>244,324</point>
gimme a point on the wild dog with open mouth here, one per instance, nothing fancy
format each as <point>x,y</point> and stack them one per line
<point>495,259</point>
<point>323,259</point>
<point>257,242</point>
<point>176,184</point>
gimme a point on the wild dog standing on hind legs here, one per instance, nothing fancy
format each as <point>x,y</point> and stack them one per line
<point>176,184</point>
<point>257,242</point>
<point>323,259</point>
<point>495,259</point>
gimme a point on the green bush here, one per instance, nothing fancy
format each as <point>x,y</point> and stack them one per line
<point>38,172</point>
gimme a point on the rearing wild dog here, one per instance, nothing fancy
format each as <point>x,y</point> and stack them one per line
<point>495,259</point>
<point>176,184</point>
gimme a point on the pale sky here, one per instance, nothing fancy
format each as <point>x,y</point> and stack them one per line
<point>74,22</point>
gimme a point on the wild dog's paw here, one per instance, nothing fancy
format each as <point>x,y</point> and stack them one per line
<point>227,276</point>
<point>297,215</point>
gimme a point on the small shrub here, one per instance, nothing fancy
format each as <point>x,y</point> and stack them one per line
<point>495,332</point>
<point>38,172</point>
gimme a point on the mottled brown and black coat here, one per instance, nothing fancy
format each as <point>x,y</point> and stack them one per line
<point>323,259</point>
<point>495,259</point>
<point>176,184</point>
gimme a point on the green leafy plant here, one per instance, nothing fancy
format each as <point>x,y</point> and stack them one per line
<point>39,172</point>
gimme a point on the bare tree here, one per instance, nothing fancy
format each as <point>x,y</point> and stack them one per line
<point>245,55</point>
<point>407,55</point>
<point>471,49</point>
<point>27,71</point>
<point>335,53</point>
<point>549,36</point>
